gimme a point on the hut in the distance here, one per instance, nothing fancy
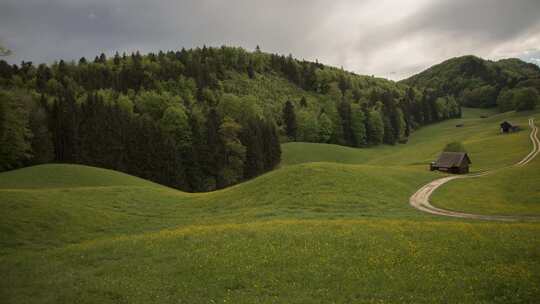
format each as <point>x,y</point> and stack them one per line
<point>452,162</point>
<point>506,127</point>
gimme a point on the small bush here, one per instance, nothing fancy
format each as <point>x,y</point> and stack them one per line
<point>526,99</point>
<point>454,147</point>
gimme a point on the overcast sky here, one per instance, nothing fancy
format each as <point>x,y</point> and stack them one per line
<point>387,38</point>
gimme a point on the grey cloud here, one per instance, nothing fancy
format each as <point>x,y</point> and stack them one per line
<point>532,56</point>
<point>493,19</point>
<point>46,30</point>
<point>336,32</point>
<point>446,24</point>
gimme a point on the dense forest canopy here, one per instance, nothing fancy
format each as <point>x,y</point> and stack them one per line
<point>198,119</point>
<point>510,84</point>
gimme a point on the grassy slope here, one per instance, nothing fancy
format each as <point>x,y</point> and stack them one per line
<point>39,218</point>
<point>486,146</point>
<point>513,190</point>
<point>304,233</point>
<point>62,176</point>
<point>367,261</point>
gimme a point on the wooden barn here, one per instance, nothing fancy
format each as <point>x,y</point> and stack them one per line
<point>452,162</point>
<point>507,127</point>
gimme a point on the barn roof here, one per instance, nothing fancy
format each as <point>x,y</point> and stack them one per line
<point>453,159</point>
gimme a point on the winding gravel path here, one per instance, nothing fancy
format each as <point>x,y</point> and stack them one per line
<point>420,199</point>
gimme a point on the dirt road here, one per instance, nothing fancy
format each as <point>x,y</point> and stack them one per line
<point>420,199</point>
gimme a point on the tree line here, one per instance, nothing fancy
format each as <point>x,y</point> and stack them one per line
<point>388,119</point>
<point>181,149</point>
<point>508,84</point>
<point>198,119</point>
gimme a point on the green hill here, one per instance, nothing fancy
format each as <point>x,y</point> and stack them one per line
<point>476,82</point>
<point>66,176</point>
<point>474,70</point>
<point>336,230</point>
<point>481,137</point>
<point>512,190</point>
<point>209,118</point>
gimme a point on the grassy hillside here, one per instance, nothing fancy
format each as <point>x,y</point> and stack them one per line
<point>481,137</point>
<point>187,109</point>
<point>38,216</point>
<point>338,230</point>
<point>369,261</point>
<point>66,176</point>
<point>475,68</point>
<point>476,82</point>
<point>513,190</point>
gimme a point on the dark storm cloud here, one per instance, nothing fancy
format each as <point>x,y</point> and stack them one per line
<point>381,37</point>
<point>47,30</point>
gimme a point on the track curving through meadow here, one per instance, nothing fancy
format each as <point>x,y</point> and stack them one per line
<point>420,199</point>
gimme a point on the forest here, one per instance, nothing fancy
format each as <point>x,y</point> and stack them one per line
<point>198,119</point>
<point>508,84</point>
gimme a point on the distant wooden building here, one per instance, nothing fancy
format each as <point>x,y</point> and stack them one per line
<point>452,162</point>
<point>506,127</point>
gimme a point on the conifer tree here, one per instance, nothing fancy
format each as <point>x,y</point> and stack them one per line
<point>345,115</point>
<point>374,127</point>
<point>303,102</point>
<point>251,70</point>
<point>116,59</point>
<point>251,139</point>
<point>325,128</point>
<point>289,118</point>
<point>42,77</point>
<point>102,58</point>
<point>214,149</point>
<point>358,126</point>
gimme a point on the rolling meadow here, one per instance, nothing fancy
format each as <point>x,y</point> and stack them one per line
<point>331,225</point>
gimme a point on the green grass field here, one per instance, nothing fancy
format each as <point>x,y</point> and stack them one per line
<point>513,190</point>
<point>487,148</point>
<point>332,225</point>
